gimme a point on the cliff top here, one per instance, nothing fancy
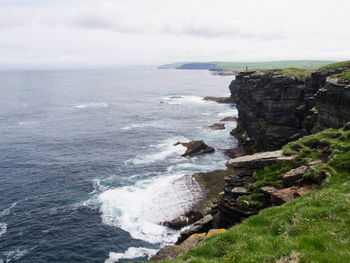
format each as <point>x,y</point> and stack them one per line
<point>290,72</point>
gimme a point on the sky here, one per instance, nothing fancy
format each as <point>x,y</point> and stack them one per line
<point>106,33</point>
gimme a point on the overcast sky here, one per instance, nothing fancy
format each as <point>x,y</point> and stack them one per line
<point>95,33</point>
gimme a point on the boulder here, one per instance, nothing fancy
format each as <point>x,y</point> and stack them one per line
<point>171,252</point>
<point>289,194</point>
<point>268,190</point>
<point>216,126</point>
<point>184,220</point>
<point>196,148</point>
<point>295,176</point>
<point>238,191</point>
<point>202,225</point>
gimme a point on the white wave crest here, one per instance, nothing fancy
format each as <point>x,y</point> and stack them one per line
<point>15,254</point>
<point>140,209</point>
<point>132,252</point>
<point>3,229</point>
<point>133,126</point>
<point>162,151</point>
<point>26,123</point>
<point>93,105</point>
<point>7,211</point>
<point>232,113</point>
<point>179,99</point>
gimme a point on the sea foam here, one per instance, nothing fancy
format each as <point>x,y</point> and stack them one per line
<point>140,209</point>
<point>93,105</point>
<point>132,252</point>
<point>161,151</point>
<point>3,229</point>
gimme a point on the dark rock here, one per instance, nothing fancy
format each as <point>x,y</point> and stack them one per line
<point>268,190</point>
<point>332,102</point>
<point>216,126</point>
<point>184,220</point>
<point>294,177</point>
<point>313,143</point>
<point>200,226</point>
<point>229,119</point>
<point>219,99</point>
<point>271,107</point>
<point>196,148</point>
<point>347,127</point>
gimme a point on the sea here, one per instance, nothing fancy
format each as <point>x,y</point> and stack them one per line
<point>88,167</point>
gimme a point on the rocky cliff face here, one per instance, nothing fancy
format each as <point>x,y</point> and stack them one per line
<point>271,107</point>
<point>332,102</point>
<point>276,108</point>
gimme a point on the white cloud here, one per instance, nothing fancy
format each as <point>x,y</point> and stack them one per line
<point>74,33</point>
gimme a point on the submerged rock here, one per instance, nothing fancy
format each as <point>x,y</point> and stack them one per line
<point>216,126</point>
<point>229,119</point>
<point>196,148</point>
<point>219,99</point>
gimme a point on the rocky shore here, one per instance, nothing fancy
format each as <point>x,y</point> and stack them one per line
<point>274,108</point>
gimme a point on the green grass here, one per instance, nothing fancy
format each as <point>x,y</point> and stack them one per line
<point>343,64</point>
<point>312,228</point>
<point>292,72</point>
<point>344,76</point>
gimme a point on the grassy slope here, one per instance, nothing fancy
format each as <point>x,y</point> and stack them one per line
<point>239,66</point>
<point>312,228</point>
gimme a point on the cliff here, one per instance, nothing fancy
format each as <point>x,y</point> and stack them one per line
<point>279,106</point>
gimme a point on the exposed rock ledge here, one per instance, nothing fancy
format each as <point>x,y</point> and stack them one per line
<point>195,148</point>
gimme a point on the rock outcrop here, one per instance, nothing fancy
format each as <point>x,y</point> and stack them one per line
<point>219,99</point>
<point>271,107</point>
<point>275,108</point>
<point>171,252</point>
<point>196,148</point>
<point>332,102</point>
<point>216,126</point>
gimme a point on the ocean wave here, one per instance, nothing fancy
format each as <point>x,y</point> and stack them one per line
<point>230,113</point>
<point>139,209</point>
<point>93,105</point>
<point>26,123</point>
<point>132,252</point>
<point>161,151</point>
<point>133,126</point>
<point>179,99</point>
<point>7,211</point>
<point>3,228</point>
<point>15,254</point>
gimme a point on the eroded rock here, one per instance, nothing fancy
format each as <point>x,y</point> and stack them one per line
<point>219,99</point>
<point>229,119</point>
<point>196,148</point>
<point>295,176</point>
<point>216,126</point>
<point>246,165</point>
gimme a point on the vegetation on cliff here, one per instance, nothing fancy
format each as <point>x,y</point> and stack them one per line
<point>312,228</point>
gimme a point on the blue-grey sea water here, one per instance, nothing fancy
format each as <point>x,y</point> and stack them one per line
<point>88,170</point>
